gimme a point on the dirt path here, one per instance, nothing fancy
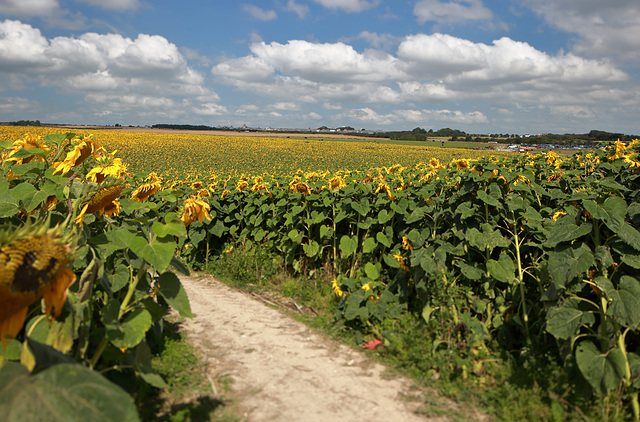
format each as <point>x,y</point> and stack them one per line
<point>284,372</point>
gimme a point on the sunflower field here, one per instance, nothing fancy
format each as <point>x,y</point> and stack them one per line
<point>516,257</point>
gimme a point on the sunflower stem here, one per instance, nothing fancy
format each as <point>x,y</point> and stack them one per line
<point>98,353</point>
<point>132,289</point>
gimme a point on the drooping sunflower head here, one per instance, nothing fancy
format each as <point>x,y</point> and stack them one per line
<point>336,182</point>
<point>102,201</point>
<point>109,166</point>
<point>195,209</point>
<point>33,264</point>
<point>303,188</point>
<point>82,149</point>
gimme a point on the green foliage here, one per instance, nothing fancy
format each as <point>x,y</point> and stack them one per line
<point>68,392</point>
<point>123,289</point>
<point>500,257</point>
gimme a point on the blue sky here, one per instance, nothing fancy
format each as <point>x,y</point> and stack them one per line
<point>505,66</point>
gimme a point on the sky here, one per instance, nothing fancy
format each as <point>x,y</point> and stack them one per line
<point>499,66</point>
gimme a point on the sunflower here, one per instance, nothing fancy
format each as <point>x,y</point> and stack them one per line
<point>81,151</point>
<point>462,163</point>
<point>28,142</point>
<point>103,201</point>
<point>401,260</point>
<point>620,147</point>
<point>382,186</point>
<point>435,163</point>
<point>301,187</point>
<point>33,265</point>
<point>110,167</point>
<point>406,243</point>
<point>336,288</point>
<point>195,209</point>
<point>336,183</point>
<point>151,186</point>
<point>242,185</point>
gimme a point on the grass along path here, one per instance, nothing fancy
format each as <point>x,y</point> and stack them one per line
<point>282,371</point>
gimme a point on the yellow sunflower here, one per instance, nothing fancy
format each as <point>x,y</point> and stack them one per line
<point>195,209</point>
<point>336,182</point>
<point>152,185</point>
<point>382,186</point>
<point>28,142</point>
<point>302,188</point>
<point>462,163</point>
<point>103,201</point>
<point>109,167</point>
<point>33,265</point>
<point>84,148</point>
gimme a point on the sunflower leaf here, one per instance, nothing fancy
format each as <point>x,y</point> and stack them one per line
<point>62,393</point>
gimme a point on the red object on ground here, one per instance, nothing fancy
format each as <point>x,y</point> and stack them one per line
<point>372,344</point>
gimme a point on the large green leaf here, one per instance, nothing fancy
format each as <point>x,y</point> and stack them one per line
<point>114,240</point>
<point>58,138</point>
<point>371,270</point>
<point>604,371</point>
<point>23,192</point>
<point>569,262</point>
<point>171,289</point>
<point>172,226</point>
<point>62,393</point>
<point>369,245</point>
<point>470,271</point>
<point>384,216</point>
<point>416,215</point>
<point>129,332</point>
<point>566,232</point>
<point>503,269</point>
<point>311,249</point>
<point>348,245</point>
<point>487,239</point>
<point>625,302</point>
<point>158,252</point>
<point>382,238</point>
<point>564,321</point>
<point>488,199</point>
<point>613,212</point>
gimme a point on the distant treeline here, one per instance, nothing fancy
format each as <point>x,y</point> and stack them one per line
<point>593,137</point>
<point>185,127</point>
<point>26,123</point>
<point>419,134</point>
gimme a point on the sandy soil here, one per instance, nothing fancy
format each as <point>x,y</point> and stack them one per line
<point>282,371</point>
